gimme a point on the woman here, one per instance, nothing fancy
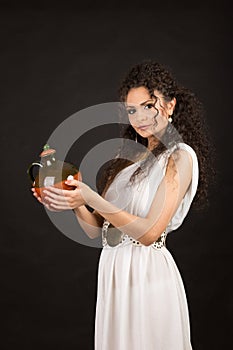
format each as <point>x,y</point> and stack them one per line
<point>147,191</point>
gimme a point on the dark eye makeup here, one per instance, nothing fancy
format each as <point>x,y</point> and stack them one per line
<point>149,106</point>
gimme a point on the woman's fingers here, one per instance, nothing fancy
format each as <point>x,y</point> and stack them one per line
<point>54,196</point>
<point>59,207</point>
<point>38,198</point>
<point>49,207</point>
<point>57,199</point>
<point>72,182</point>
<point>46,204</point>
<point>58,191</point>
<point>35,194</point>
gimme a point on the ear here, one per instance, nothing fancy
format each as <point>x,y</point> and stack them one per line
<point>171,106</point>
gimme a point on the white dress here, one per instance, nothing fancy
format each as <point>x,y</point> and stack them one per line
<point>141,302</point>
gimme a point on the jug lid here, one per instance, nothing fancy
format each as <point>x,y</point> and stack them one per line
<point>47,151</point>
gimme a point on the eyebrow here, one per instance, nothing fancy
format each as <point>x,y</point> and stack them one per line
<point>141,104</point>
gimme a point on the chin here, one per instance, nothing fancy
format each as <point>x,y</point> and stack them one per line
<point>144,134</point>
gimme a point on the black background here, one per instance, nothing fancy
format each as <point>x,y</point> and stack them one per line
<point>58,58</point>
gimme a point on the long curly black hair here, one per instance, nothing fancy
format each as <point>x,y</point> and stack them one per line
<point>188,126</point>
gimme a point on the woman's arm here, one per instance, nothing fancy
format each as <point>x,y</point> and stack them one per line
<point>165,203</point>
<point>91,222</point>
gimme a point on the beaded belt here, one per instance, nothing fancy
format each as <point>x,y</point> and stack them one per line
<point>114,237</point>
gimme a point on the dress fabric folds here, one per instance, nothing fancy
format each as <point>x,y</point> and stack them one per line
<point>141,301</point>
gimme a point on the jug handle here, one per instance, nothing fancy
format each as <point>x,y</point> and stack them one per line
<point>30,169</point>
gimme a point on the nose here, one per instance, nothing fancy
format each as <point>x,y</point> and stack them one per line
<point>141,115</point>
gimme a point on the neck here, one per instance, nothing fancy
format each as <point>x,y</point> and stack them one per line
<point>152,143</point>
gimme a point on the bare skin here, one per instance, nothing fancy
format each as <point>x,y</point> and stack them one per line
<point>167,199</point>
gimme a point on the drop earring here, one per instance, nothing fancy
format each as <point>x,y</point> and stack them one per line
<point>170,119</point>
<point>136,138</point>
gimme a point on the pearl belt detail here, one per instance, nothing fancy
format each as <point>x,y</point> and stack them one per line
<point>115,237</point>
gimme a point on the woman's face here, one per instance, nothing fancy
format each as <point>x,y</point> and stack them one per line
<point>148,116</point>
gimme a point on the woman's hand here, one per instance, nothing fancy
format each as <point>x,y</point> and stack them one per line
<point>35,194</point>
<point>56,199</point>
